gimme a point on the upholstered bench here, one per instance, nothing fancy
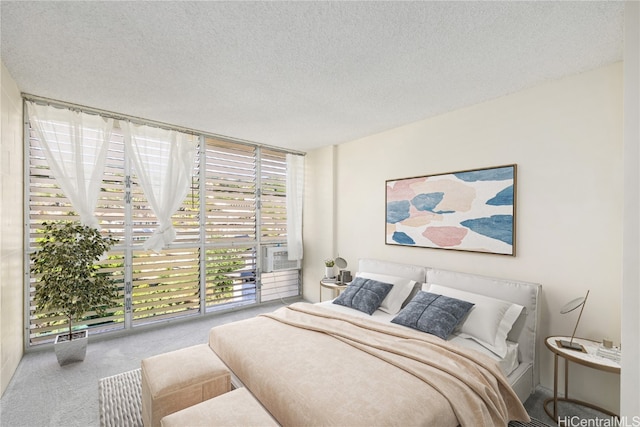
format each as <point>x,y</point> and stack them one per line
<point>238,408</point>
<point>179,379</point>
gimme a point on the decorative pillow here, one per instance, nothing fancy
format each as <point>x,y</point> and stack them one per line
<point>435,314</point>
<point>364,295</point>
<point>402,287</point>
<point>490,320</point>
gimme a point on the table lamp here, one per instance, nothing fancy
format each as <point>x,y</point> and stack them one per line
<point>567,308</point>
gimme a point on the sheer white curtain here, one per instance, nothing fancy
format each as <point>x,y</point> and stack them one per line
<point>75,146</point>
<point>163,161</point>
<point>295,186</point>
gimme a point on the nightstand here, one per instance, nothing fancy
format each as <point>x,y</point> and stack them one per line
<point>589,359</point>
<point>335,286</point>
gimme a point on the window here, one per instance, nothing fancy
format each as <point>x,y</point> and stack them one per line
<point>235,206</point>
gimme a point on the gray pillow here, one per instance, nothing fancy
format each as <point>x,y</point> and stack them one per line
<point>432,313</point>
<point>364,295</point>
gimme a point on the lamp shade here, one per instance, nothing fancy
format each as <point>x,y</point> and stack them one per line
<point>567,308</point>
<point>572,305</point>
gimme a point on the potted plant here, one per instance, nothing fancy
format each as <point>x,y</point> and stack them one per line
<point>328,268</point>
<point>69,281</point>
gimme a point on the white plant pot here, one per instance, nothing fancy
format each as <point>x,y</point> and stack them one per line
<point>329,272</point>
<point>71,351</point>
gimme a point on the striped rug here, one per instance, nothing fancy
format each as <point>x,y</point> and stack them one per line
<point>533,423</point>
<point>120,402</point>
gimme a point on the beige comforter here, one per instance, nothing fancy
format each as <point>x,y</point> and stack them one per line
<point>311,366</point>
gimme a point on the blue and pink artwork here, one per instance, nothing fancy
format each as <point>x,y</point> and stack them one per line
<point>471,210</point>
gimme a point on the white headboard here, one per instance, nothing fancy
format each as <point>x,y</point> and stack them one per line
<point>413,272</point>
<point>524,331</point>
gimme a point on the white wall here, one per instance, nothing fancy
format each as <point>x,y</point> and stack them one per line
<point>630,384</point>
<point>319,228</point>
<point>11,229</point>
<point>566,138</point>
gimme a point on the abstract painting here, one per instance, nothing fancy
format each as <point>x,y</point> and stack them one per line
<point>472,210</point>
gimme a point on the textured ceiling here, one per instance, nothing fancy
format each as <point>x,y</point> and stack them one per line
<point>299,75</point>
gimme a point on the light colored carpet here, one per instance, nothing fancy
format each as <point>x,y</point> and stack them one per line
<point>45,394</point>
<point>120,397</point>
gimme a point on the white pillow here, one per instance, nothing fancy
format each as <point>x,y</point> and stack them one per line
<point>488,322</point>
<point>402,287</point>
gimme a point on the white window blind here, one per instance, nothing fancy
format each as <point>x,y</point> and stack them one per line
<point>48,203</point>
<point>231,277</point>
<point>274,200</point>
<point>166,284</point>
<point>235,204</point>
<point>230,192</point>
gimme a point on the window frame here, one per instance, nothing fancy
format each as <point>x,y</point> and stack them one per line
<point>203,245</point>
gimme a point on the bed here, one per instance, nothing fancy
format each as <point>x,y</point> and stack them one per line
<point>329,364</point>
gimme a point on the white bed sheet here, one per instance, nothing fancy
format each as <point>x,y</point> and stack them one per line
<point>508,364</point>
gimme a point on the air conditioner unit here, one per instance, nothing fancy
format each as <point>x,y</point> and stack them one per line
<point>276,258</point>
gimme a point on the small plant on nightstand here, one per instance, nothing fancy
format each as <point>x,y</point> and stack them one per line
<point>328,268</point>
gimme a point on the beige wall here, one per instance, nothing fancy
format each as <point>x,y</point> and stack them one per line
<point>630,384</point>
<point>319,218</point>
<point>566,138</point>
<point>11,229</point>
